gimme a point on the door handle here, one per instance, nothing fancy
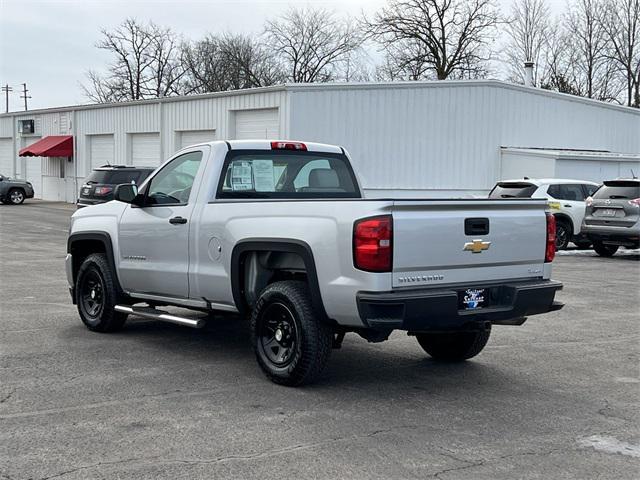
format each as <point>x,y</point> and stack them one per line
<point>177,220</point>
<point>567,205</point>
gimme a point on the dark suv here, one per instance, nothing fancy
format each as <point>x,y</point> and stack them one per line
<point>612,216</point>
<point>98,187</point>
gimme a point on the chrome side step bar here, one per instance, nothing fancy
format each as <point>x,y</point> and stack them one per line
<point>149,312</point>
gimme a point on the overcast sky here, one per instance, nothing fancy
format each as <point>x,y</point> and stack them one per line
<point>49,44</point>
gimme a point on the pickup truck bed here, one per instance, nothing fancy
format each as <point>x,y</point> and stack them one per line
<point>279,232</point>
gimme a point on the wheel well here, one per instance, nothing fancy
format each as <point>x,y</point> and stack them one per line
<point>81,249</point>
<point>561,217</point>
<point>261,268</point>
<point>17,188</point>
<point>260,262</point>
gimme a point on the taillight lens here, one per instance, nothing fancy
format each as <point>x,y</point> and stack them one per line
<point>588,201</point>
<point>373,243</point>
<point>635,201</point>
<point>288,146</point>
<point>101,191</point>
<point>550,251</point>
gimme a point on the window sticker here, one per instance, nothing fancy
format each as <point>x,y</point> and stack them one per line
<point>263,175</point>
<point>241,176</point>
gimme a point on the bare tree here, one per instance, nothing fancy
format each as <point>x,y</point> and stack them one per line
<point>145,65</point>
<point>590,45</point>
<point>527,31</point>
<point>312,44</point>
<point>447,37</point>
<point>228,62</point>
<point>622,26</point>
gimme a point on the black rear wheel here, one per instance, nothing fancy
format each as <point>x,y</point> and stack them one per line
<point>605,250</point>
<point>292,345</point>
<point>97,295</point>
<point>454,346</point>
<point>563,234</point>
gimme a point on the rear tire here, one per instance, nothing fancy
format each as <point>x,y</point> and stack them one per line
<point>292,345</point>
<point>605,250</point>
<point>97,295</point>
<point>583,245</point>
<point>454,346</point>
<point>563,234</point>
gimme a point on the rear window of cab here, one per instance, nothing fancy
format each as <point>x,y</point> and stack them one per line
<point>285,174</point>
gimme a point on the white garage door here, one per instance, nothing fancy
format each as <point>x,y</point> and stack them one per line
<point>191,137</point>
<point>255,124</point>
<point>101,150</point>
<point>594,170</point>
<point>6,157</point>
<point>145,149</point>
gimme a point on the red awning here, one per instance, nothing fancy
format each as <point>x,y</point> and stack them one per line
<point>51,146</point>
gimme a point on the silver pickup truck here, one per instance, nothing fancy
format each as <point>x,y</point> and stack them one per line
<point>279,232</point>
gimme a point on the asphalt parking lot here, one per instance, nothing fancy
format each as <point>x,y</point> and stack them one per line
<point>555,398</point>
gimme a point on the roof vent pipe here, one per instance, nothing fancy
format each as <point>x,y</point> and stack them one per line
<point>528,74</point>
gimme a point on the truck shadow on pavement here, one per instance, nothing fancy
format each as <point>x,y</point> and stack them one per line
<point>223,349</point>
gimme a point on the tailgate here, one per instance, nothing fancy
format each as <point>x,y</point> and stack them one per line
<point>439,242</point>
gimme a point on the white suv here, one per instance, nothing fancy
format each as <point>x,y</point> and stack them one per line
<point>566,201</point>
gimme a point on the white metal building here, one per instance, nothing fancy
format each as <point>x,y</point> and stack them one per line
<point>446,138</point>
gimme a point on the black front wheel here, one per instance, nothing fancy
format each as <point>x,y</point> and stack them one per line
<point>605,250</point>
<point>454,346</point>
<point>97,295</point>
<point>292,345</point>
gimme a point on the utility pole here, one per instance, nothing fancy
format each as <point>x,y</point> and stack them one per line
<point>24,95</point>
<point>6,89</point>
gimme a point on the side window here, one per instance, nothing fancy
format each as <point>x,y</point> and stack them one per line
<point>172,185</point>
<point>589,189</point>
<point>573,192</point>
<point>554,191</point>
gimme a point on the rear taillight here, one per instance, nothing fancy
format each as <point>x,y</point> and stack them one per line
<point>288,146</point>
<point>101,191</point>
<point>635,201</point>
<point>588,201</point>
<point>373,243</point>
<point>550,251</point>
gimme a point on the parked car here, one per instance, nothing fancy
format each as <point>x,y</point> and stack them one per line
<point>566,200</point>
<point>14,191</point>
<point>99,185</point>
<point>612,217</point>
<point>279,231</point>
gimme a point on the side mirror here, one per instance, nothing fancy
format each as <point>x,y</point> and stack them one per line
<point>126,193</point>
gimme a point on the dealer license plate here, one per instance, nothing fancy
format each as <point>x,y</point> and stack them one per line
<point>607,212</point>
<point>473,298</point>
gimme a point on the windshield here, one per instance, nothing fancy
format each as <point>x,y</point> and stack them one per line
<point>285,174</point>
<point>116,177</point>
<point>619,189</point>
<point>512,190</point>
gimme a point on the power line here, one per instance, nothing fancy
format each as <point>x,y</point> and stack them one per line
<point>6,89</point>
<point>25,96</point>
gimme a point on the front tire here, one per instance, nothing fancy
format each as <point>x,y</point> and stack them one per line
<point>97,295</point>
<point>454,346</point>
<point>16,196</point>
<point>292,345</point>
<point>605,250</point>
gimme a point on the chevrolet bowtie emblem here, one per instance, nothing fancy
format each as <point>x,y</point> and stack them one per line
<point>476,246</point>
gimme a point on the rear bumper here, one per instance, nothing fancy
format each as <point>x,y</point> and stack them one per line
<point>625,236</point>
<point>438,309</point>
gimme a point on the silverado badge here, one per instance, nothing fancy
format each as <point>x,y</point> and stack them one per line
<point>476,246</point>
